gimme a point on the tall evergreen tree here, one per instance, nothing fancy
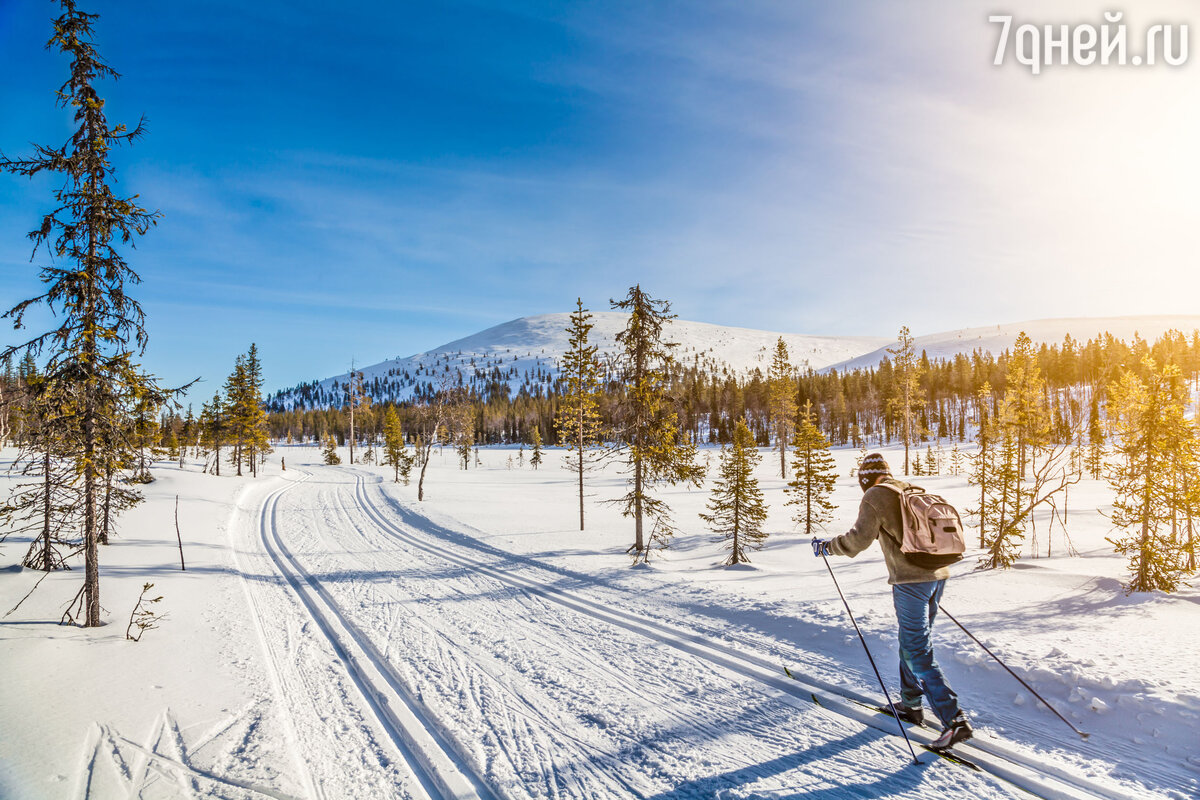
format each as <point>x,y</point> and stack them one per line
<point>253,414</point>
<point>578,421</point>
<point>781,380</point>
<point>1094,460</point>
<point>535,440</point>
<point>213,430</point>
<point>737,510</point>
<point>395,452</point>
<point>647,424</point>
<point>815,474</point>
<point>100,325</point>
<point>908,388</point>
<point>357,400</point>
<point>1150,426</point>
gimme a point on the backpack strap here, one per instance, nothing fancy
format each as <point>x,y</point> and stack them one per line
<point>904,513</point>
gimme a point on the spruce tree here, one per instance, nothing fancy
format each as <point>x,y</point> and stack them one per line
<point>1152,435</point>
<point>578,420</point>
<point>46,501</point>
<point>908,388</point>
<point>253,416</point>
<point>814,474</point>
<point>535,458</point>
<point>395,452</point>
<point>100,326</point>
<point>329,451</point>
<point>736,508</point>
<point>357,401</point>
<point>213,429</point>
<point>1094,460</point>
<point>981,463</point>
<point>650,444</point>
<point>782,399</point>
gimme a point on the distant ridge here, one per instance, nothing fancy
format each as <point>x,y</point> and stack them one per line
<point>998,338</point>
<point>522,354</point>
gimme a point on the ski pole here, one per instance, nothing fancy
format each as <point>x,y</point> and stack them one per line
<point>1082,735</point>
<point>871,658</point>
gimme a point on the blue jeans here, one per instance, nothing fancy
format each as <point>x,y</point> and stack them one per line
<point>916,607</point>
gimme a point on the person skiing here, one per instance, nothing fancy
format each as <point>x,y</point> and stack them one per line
<point>916,594</point>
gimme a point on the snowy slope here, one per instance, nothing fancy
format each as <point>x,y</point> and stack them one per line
<point>526,351</point>
<point>997,338</point>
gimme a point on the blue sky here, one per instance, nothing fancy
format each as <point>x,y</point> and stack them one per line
<point>373,180</point>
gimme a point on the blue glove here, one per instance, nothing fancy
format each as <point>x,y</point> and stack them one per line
<point>820,547</point>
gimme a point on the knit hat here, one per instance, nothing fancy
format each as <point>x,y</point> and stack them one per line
<point>872,465</point>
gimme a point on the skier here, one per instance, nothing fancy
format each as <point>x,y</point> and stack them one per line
<point>916,593</point>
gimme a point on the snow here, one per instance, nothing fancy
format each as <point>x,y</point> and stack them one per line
<point>526,351</point>
<point>995,339</point>
<point>529,349</point>
<point>332,637</point>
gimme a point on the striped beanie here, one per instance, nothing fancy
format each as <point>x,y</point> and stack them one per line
<point>872,465</point>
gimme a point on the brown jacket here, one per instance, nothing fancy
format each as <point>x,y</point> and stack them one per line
<point>879,518</point>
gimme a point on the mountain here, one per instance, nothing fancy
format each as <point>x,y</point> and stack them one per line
<point>998,338</point>
<point>523,353</point>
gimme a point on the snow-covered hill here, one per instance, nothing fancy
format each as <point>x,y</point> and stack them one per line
<point>525,352</point>
<point>997,338</point>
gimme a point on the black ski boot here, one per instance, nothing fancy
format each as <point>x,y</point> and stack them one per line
<point>913,716</point>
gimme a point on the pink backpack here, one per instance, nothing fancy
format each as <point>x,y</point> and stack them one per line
<point>933,530</point>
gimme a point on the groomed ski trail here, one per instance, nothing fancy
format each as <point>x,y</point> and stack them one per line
<point>438,768</point>
<point>1039,778</point>
<point>547,698</point>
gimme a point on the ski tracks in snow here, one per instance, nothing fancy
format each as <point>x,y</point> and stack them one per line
<point>518,689</point>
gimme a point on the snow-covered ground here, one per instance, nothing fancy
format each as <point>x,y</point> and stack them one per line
<point>332,637</point>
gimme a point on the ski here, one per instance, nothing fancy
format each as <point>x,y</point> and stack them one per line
<point>953,758</point>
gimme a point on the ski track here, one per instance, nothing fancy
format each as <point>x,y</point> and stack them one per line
<point>536,693</point>
<point>336,747</point>
<point>1006,762</point>
<point>436,765</point>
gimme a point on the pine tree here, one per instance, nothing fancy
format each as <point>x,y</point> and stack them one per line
<point>981,462</point>
<point>235,392</point>
<point>578,419</point>
<point>100,326</point>
<point>908,388</point>
<point>46,504</point>
<point>395,451</point>
<point>815,474</point>
<point>931,466</point>
<point>1150,434</point>
<point>357,401</point>
<point>535,458</point>
<point>1004,498</point>
<point>464,441</point>
<point>143,436</point>
<point>736,508</point>
<point>329,451</point>
<point>1094,460</point>
<point>255,433</point>
<point>213,427</point>
<point>646,421</point>
<point>782,400</point>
